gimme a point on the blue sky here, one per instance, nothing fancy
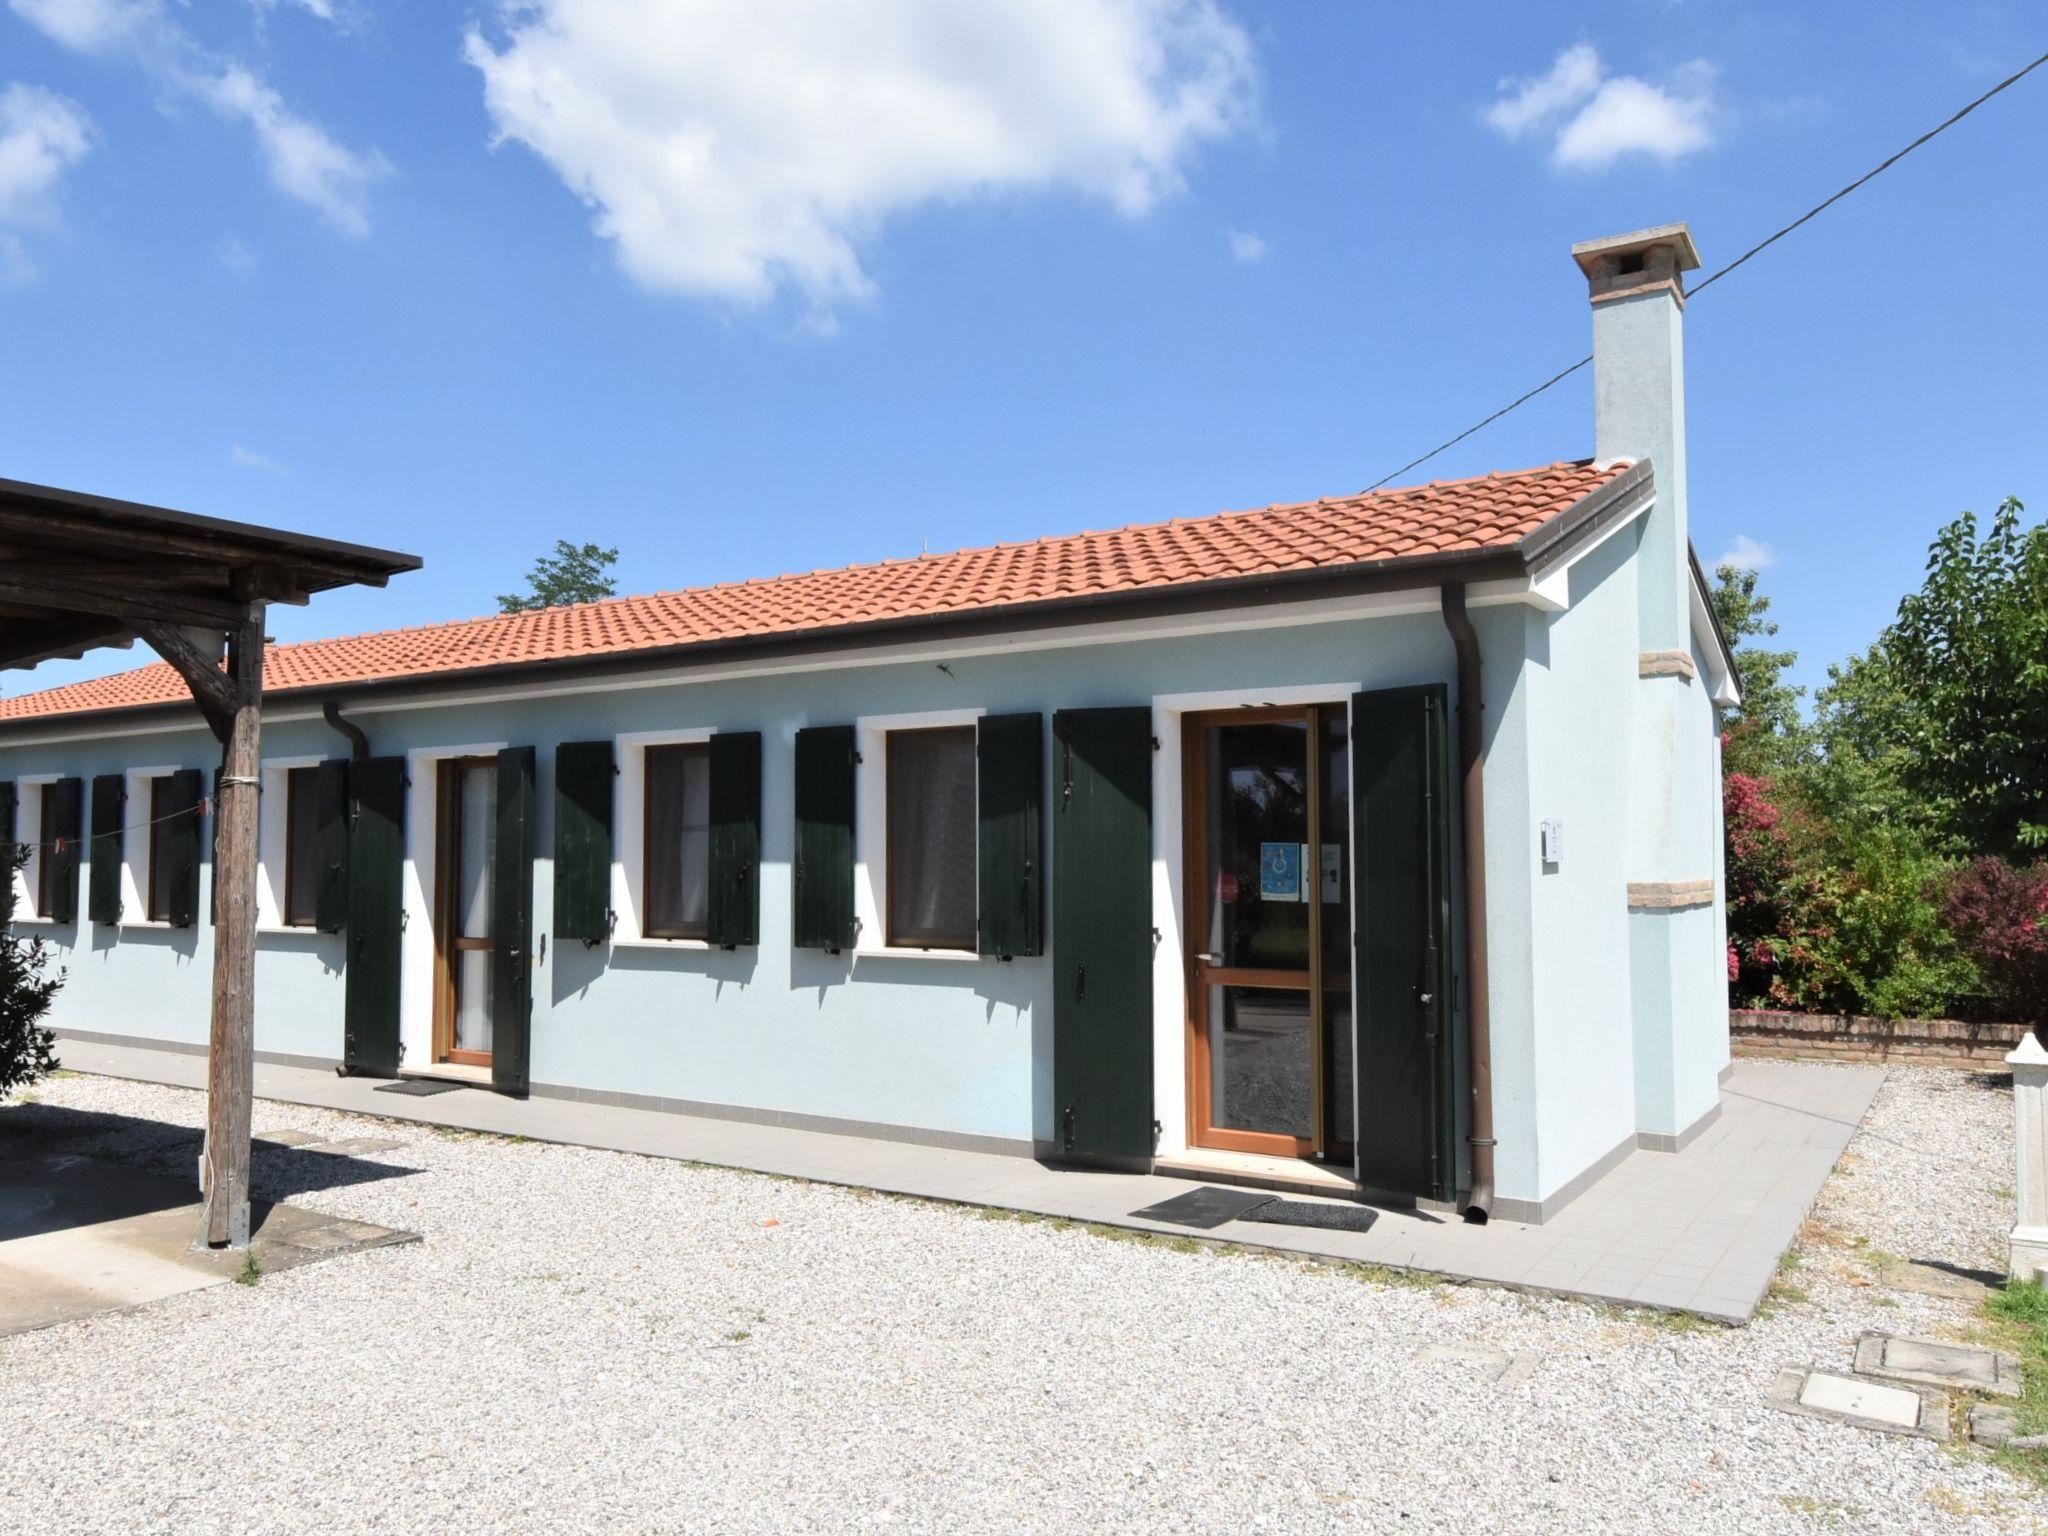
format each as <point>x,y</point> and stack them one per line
<point>742,295</point>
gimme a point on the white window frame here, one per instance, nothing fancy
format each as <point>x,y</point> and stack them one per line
<point>629,836</point>
<point>871,831</point>
<point>136,842</point>
<point>28,812</point>
<point>273,834</point>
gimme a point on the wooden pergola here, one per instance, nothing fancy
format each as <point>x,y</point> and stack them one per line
<point>79,572</point>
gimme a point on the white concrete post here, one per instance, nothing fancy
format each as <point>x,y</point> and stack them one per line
<point>2029,1246</point>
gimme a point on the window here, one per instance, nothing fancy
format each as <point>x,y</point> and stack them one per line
<point>46,845</point>
<point>678,847</point>
<point>931,838</point>
<point>301,845</point>
<point>160,832</point>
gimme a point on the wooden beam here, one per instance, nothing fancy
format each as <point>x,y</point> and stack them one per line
<point>116,600</point>
<point>46,530</point>
<point>50,641</point>
<point>230,1076</point>
<point>211,689</point>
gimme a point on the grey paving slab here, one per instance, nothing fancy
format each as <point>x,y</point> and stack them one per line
<point>1696,1230</point>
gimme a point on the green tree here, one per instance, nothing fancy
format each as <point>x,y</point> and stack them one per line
<point>1970,651</point>
<point>1765,736</point>
<point>574,573</point>
<point>26,988</point>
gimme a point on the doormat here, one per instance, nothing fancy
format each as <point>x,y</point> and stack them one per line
<point>1304,1213</point>
<point>1206,1207</point>
<point>418,1087</point>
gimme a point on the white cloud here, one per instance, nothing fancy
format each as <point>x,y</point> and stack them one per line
<point>1526,104</point>
<point>731,148</point>
<point>1747,554</point>
<point>1245,246</point>
<point>1600,118</point>
<point>303,161</point>
<point>42,135</point>
<point>249,458</point>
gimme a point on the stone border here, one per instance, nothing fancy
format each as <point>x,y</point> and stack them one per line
<point>1666,664</point>
<point>1870,1361</point>
<point>1790,1381</point>
<point>1787,1036</point>
<point>1669,895</point>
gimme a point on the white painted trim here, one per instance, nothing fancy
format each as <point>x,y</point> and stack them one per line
<point>1723,687</point>
<point>629,835</point>
<point>416,943</point>
<point>28,812</point>
<point>1169,883</point>
<point>1405,601</point>
<point>871,830</point>
<point>137,784</point>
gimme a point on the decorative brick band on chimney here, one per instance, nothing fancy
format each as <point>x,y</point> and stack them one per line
<point>1669,895</point>
<point>1677,664</point>
<point>1647,261</point>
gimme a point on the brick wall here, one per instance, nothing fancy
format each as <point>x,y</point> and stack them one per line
<point>1834,1037</point>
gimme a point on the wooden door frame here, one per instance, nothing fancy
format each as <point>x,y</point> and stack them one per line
<point>1195,899</point>
<point>447,872</point>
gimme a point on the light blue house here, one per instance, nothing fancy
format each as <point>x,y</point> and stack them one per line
<point>1371,843</point>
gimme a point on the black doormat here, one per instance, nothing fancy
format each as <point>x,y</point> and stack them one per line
<point>1206,1207</point>
<point>1304,1213</point>
<point>418,1087</point>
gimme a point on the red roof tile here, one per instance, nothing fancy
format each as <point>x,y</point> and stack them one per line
<point>1491,512</point>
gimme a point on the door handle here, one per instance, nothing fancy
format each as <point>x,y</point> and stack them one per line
<point>1208,959</point>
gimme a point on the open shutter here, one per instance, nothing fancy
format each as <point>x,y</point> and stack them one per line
<point>1400,807</point>
<point>376,915</point>
<point>583,841</point>
<point>733,917</point>
<point>330,845</point>
<point>823,881</point>
<point>109,792</point>
<point>1102,933</point>
<point>1010,806</point>
<point>512,924</point>
<point>15,836</point>
<point>180,803</point>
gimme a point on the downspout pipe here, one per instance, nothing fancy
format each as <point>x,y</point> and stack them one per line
<point>359,742</point>
<point>1478,997</point>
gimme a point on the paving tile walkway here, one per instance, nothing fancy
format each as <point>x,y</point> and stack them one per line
<point>1699,1230</point>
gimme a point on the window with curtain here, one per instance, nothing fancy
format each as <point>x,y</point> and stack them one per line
<point>931,831</point>
<point>301,841</point>
<point>160,833</point>
<point>678,861</point>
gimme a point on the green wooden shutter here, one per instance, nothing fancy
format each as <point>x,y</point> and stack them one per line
<point>823,879</point>
<point>512,924</point>
<point>66,822</point>
<point>583,841</point>
<point>733,917</point>
<point>180,802</point>
<point>1401,809</point>
<point>1010,851</point>
<point>330,845</point>
<point>1102,933</point>
<point>376,874</point>
<point>109,793</point>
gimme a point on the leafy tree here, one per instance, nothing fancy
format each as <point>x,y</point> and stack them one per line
<point>1765,736</point>
<point>2000,914</point>
<point>1970,649</point>
<point>574,573</point>
<point>26,988</point>
<point>1865,724</point>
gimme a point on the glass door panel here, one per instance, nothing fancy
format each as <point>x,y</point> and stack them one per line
<point>465,869</point>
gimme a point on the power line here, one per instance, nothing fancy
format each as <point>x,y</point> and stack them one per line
<point>1721,272</point>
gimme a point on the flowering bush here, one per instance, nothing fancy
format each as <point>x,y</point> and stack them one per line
<point>2000,915</point>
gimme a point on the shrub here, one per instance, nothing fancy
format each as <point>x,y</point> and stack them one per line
<point>26,988</point>
<point>2000,916</point>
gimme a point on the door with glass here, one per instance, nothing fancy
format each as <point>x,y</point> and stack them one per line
<point>1269,888</point>
<point>467,794</point>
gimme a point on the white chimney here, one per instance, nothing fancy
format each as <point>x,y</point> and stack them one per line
<point>1639,400</point>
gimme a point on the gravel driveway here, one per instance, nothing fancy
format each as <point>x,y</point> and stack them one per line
<point>594,1342</point>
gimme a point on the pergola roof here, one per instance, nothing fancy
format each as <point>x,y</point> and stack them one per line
<point>80,571</point>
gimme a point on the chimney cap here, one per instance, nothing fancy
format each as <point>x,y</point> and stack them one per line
<point>1589,253</point>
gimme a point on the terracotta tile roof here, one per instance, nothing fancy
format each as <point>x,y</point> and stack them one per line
<point>1490,512</point>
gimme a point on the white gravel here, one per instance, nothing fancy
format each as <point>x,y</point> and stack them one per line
<point>589,1341</point>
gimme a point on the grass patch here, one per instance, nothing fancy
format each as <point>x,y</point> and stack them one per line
<point>251,1270</point>
<point>1791,1259</point>
<point>739,1336</point>
<point>2018,1321</point>
<point>1407,1279</point>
